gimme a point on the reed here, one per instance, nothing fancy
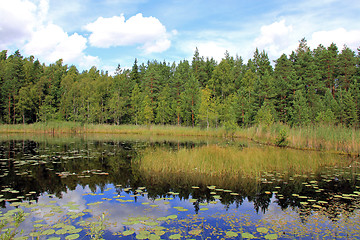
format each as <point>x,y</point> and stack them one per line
<point>216,161</point>
<point>338,139</point>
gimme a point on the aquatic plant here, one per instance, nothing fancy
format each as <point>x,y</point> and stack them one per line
<point>15,217</point>
<point>230,161</point>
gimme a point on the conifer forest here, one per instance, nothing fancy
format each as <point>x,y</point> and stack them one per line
<point>309,86</point>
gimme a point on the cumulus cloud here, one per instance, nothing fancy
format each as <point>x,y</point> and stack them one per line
<point>137,30</point>
<point>51,43</point>
<point>25,24</point>
<point>338,36</point>
<point>17,20</point>
<point>275,38</point>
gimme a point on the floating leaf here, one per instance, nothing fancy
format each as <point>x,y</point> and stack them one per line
<point>61,231</point>
<point>175,236</point>
<point>231,234</point>
<point>48,232</point>
<point>151,223</point>
<point>271,236</point>
<point>128,232</point>
<point>247,235</point>
<point>72,236</point>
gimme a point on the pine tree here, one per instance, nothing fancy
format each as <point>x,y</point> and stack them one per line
<point>147,112</point>
<point>136,99</point>
<point>163,109</point>
<point>285,85</point>
<point>189,101</point>
<point>300,113</point>
<point>347,67</point>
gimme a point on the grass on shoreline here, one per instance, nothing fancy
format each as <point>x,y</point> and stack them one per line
<point>326,138</point>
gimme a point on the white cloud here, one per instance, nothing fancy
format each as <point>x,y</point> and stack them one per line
<point>17,20</point>
<point>25,24</point>
<point>276,39</point>
<point>51,43</point>
<point>338,36</point>
<point>137,30</point>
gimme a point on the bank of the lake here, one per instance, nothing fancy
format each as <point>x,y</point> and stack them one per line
<point>337,139</point>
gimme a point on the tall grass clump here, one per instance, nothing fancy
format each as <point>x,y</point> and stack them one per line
<point>339,139</point>
<point>216,161</point>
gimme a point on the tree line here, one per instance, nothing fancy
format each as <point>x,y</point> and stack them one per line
<point>319,86</point>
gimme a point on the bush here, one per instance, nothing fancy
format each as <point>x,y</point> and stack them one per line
<point>281,138</point>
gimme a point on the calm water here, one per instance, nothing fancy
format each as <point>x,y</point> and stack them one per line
<point>73,187</point>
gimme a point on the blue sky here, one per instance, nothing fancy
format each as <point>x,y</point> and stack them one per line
<point>105,33</point>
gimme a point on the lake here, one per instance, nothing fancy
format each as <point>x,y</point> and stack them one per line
<point>146,187</point>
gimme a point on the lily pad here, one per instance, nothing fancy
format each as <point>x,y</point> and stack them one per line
<point>175,236</point>
<point>128,232</point>
<point>231,234</point>
<point>48,232</point>
<point>271,236</point>
<point>247,235</point>
<point>72,236</point>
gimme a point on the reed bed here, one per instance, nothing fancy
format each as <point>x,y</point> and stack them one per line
<point>337,139</point>
<point>216,161</point>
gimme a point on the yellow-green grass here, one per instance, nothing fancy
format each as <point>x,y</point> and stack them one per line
<point>234,163</point>
<point>327,138</point>
<point>321,137</point>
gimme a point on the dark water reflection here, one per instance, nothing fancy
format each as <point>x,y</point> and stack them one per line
<point>32,169</point>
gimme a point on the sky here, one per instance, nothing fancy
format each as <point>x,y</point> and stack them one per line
<point>105,33</point>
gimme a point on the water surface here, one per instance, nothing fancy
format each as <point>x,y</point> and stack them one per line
<point>86,186</point>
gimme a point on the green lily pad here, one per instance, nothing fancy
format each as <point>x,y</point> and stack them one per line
<point>172,216</point>
<point>154,237</point>
<point>128,232</point>
<point>271,236</point>
<point>72,236</point>
<point>247,235</point>
<point>231,234</point>
<point>48,232</point>
<point>76,230</point>
<point>175,236</point>
<point>151,223</point>
<point>61,231</point>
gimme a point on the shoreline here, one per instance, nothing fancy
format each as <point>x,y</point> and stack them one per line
<point>337,139</point>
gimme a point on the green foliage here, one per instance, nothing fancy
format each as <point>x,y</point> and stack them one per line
<point>281,138</point>
<point>265,115</point>
<point>16,219</point>
<point>319,86</point>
